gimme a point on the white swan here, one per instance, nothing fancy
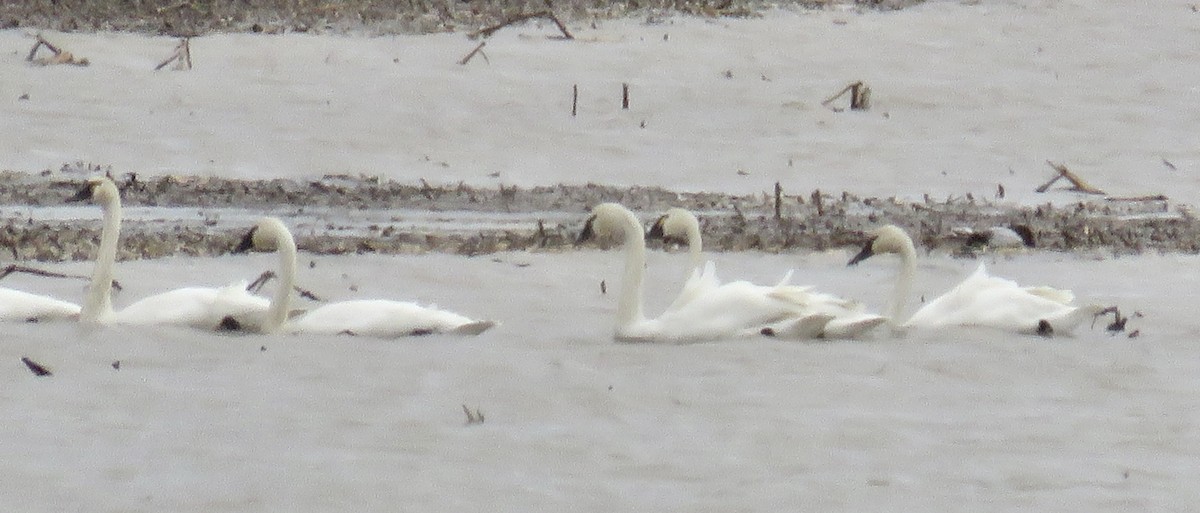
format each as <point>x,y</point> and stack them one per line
<point>980,300</point>
<point>733,310</point>
<point>20,306</point>
<point>368,317</point>
<point>848,318</point>
<point>197,307</point>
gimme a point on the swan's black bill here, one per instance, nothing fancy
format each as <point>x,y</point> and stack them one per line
<point>84,194</point>
<point>588,232</point>
<point>868,251</point>
<point>656,231</point>
<point>1025,234</point>
<point>247,242</point>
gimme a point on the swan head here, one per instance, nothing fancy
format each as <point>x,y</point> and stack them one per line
<point>672,227</point>
<point>607,222</point>
<point>99,189</point>
<point>885,239</point>
<point>264,236</point>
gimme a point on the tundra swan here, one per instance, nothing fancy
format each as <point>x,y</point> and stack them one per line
<point>21,306</point>
<point>980,300</point>
<point>368,317</point>
<point>197,307</point>
<point>848,318</point>
<point>733,310</point>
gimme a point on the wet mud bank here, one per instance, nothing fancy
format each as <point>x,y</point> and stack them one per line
<point>203,216</point>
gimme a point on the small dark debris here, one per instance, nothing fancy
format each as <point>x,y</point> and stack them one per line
<point>229,324</point>
<point>767,332</point>
<point>36,368</point>
<point>116,364</point>
<point>1045,329</point>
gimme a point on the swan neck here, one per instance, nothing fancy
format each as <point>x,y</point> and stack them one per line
<point>629,310</point>
<point>277,314</point>
<point>98,302</point>
<point>695,245</point>
<point>904,281</point>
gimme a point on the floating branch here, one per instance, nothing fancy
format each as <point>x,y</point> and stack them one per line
<point>473,417</point>
<point>1077,183</point>
<point>266,276</point>
<point>1152,197</point>
<point>625,96</point>
<point>60,56</point>
<point>478,50</point>
<point>182,56</point>
<point>860,97</point>
<point>14,268</point>
<point>35,367</point>
<point>488,31</point>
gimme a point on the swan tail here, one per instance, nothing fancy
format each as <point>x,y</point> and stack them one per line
<point>1060,296</point>
<point>809,327</point>
<point>852,327</point>
<point>794,294</point>
<point>787,278</point>
<point>1066,323</point>
<point>473,328</point>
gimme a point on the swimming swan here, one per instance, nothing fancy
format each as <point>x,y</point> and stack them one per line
<point>980,300</point>
<point>733,310</point>
<point>848,318</point>
<point>197,307</point>
<point>20,306</point>
<point>368,317</point>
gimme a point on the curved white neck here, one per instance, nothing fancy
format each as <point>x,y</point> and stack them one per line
<point>695,245</point>
<point>277,314</point>
<point>904,280</point>
<point>629,310</point>
<point>98,303</point>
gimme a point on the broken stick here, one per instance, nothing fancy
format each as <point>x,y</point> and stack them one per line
<point>60,56</point>
<point>488,31</point>
<point>860,97</point>
<point>477,49</point>
<point>182,54</point>
<point>1077,184</point>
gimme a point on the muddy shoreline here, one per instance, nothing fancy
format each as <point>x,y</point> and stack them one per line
<point>539,218</point>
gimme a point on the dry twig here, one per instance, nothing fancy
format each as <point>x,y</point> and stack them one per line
<point>488,31</point>
<point>60,56</point>
<point>1077,183</point>
<point>182,54</point>
<point>477,50</point>
<point>860,97</point>
<point>475,417</point>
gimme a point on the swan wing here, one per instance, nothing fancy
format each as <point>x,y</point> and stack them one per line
<point>20,306</point>
<point>987,301</point>
<point>180,307</point>
<point>383,319</point>
<point>196,307</point>
<point>733,310</point>
<point>699,283</point>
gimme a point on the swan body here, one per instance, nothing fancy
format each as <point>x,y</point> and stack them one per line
<point>197,307</point>
<point>20,306</point>
<point>378,318</point>
<point>981,300</point>
<point>843,318</point>
<point>732,310</point>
